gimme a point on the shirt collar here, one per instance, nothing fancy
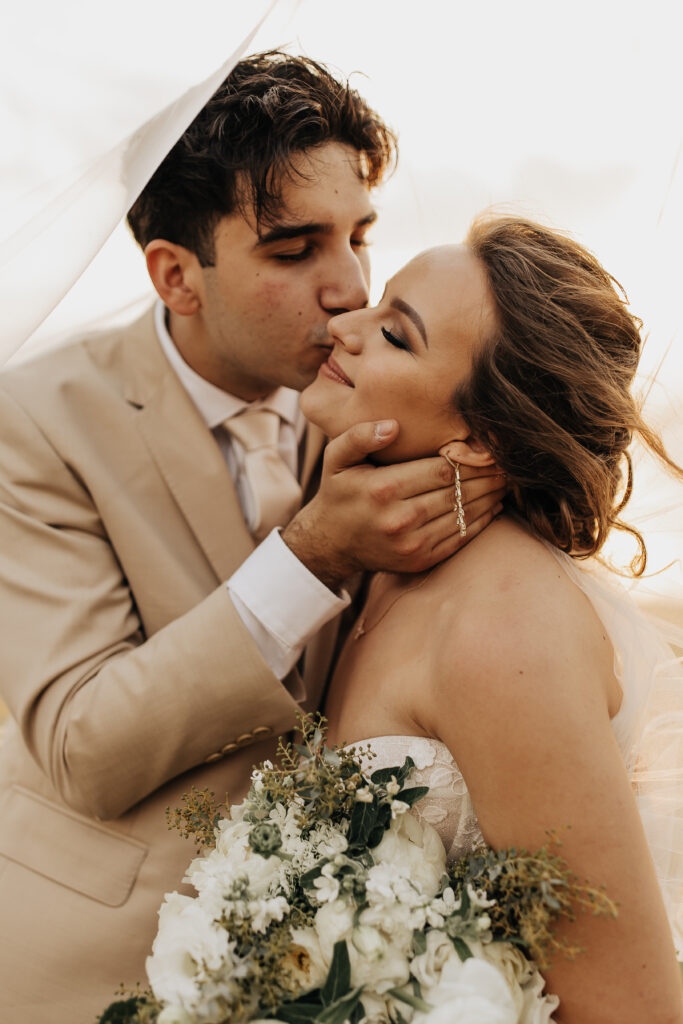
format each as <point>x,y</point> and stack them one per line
<point>215,405</point>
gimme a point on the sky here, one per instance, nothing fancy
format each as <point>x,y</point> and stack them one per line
<point>568,113</point>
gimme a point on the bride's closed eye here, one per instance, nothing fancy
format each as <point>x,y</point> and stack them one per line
<point>395,341</point>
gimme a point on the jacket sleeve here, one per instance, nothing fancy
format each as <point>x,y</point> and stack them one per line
<point>107,713</point>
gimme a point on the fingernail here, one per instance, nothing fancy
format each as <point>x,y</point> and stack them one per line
<point>383,429</point>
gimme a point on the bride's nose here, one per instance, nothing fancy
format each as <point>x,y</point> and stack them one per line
<point>345,328</point>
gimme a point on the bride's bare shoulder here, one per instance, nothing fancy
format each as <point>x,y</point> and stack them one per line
<point>508,607</point>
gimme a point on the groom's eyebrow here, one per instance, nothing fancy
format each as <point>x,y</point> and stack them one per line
<point>412,314</point>
<point>281,232</point>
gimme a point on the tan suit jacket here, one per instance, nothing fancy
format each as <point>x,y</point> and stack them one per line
<point>128,672</point>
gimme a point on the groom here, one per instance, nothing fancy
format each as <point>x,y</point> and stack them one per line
<point>154,619</point>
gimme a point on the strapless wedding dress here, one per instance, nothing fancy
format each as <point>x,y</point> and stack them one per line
<point>648,728</point>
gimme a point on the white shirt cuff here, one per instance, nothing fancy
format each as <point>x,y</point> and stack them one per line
<point>281,603</point>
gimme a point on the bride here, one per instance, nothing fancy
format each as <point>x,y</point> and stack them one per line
<point>512,673</point>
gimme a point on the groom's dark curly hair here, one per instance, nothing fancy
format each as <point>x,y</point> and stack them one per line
<point>238,150</point>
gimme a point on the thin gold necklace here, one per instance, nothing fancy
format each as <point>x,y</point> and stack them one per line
<point>362,630</point>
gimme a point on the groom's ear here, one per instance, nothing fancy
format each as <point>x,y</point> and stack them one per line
<point>468,452</point>
<point>176,275</point>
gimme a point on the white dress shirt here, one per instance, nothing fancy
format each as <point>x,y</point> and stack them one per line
<point>281,603</point>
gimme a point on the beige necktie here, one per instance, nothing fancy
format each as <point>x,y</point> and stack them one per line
<point>276,493</point>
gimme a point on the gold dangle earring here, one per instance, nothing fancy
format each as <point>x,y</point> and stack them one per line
<point>458,507</point>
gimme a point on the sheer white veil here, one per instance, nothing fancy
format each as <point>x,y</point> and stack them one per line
<point>55,224</point>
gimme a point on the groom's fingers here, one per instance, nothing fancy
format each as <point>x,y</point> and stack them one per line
<point>478,496</point>
<point>357,443</point>
<point>445,542</point>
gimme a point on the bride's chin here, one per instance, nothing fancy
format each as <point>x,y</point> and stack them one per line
<point>318,412</point>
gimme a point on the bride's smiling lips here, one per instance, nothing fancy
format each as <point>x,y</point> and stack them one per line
<point>333,371</point>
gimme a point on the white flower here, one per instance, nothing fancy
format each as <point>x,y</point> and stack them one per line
<point>186,937</point>
<point>386,970</point>
<point>305,959</point>
<point>333,921</point>
<point>396,922</point>
<point>332,843</point>
<point>478,898</point>
<point>326,886</point>
<point>473,992</point>
<point>415,851</point>
<point>174,1015</point>
<point>399,807</point>
<point>262,912</point>
<point>369,942</point>
<point>427,966</point>
<point>393,787</point>
<point>523,980</point>
<point>364,795</point>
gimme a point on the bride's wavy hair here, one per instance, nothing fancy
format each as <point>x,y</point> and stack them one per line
<point>238,151</point>
<point>550,391</point>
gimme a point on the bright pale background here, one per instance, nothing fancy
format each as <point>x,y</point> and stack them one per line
<point>570,113</point>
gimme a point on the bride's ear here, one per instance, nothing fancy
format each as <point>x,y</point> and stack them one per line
<point>468,452</point>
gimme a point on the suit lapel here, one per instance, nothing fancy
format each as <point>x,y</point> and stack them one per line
<point>185,453</point>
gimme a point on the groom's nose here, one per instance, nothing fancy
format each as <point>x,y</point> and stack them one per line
<point>346,285</point>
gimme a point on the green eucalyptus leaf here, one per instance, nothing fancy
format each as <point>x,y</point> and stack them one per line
<point>357,1014</point>
<point>339,975</point>
<point>363,820</point>
<point>410,1000</point>
<point>340,1011</point>
<point>376,836</point>
<point>306,880</point>
<point>411,796</point>
<point>299,1012</point>
<point>465,901</point>
<point>384,775</point>
<point>461,947</point>
<point>384,815</point>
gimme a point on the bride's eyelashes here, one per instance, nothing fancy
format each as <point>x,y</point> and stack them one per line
<point>395,341</point>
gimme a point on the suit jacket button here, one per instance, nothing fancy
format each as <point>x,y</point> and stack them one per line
<point>213,757</point>
<point>245,738</point>
<point>262,730</point>
<point>228,748</point>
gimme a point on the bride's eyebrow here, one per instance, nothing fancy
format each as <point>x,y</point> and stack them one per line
<point>412,314</point>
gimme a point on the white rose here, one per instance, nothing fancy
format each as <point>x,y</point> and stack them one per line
<point>537,1008</point>
<point>415,851</point>
<point>333,921</point>
<point>427,966</point>
<point>305,959</point>
<point>523,978</point>
<point>186,936</point>
<point>473,992</point>
<point>390,969</point>
<point>174,1015</point>
<point>369,942</point>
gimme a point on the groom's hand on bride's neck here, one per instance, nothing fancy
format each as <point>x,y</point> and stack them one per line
<point>396,518</point>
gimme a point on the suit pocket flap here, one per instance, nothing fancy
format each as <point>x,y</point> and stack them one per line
<point>68,849</point>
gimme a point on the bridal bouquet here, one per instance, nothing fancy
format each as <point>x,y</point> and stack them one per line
<point>321,899</point>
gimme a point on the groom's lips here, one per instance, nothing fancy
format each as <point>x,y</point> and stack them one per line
<point>333,370</point>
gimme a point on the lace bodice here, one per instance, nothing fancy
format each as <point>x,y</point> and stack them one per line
<point>447,807</point>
